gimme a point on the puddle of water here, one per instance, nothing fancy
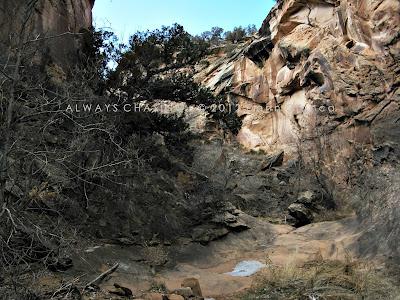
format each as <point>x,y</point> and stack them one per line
<point>246,268</point>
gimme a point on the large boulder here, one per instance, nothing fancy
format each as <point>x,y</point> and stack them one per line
<point>308,205</point>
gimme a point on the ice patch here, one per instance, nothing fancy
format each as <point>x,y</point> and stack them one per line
<point>246,268</point>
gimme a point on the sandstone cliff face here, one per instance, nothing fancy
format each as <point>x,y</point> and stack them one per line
<point>52,24</point>
<point>326,74</point>
<point>318,67</point>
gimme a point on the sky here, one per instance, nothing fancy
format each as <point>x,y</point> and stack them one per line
<point>125,17</point>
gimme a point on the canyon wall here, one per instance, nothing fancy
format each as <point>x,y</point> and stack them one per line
<point>325,75</point>
<point>319,67</point>
<point>47,27</point>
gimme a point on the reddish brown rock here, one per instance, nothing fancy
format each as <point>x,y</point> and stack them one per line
<point>154,296</point>
<point>52,27</point>
<point>320,67</point>
<point>175,297</point>
<point>194,284</point>
<point>185,292</point>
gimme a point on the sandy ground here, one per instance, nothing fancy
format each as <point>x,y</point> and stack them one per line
<point>264,242</point>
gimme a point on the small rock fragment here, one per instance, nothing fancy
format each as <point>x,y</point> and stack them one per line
<point>175,297</point>
<point>185,292</point>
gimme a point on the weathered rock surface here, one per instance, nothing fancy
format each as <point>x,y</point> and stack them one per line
<point>175,297</point>
<point>50,26</point>
<point>301,213</point>
<point>308,205</point>
<point>321,80</point>
<point>194,284</point>
<point>318,67</point>
<point>185,292</point>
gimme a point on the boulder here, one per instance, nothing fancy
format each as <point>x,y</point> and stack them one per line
<point>194,284</point>
<point>301,214</point>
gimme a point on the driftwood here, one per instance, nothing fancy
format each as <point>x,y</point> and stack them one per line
<point>102,276</point>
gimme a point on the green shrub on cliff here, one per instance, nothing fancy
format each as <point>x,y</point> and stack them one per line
<point>159,65</point>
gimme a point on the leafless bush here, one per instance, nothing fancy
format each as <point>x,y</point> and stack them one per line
<point>155,256</point>
<point>38,158</point>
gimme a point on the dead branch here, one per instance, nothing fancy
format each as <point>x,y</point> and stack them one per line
<point>67,287</point>
<point>38,38</point>
<point>102,276</point>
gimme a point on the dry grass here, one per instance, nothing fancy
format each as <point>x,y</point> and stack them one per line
<point>155,255</point>
<point>158,287</point>
<point>334,215</point>
<point>323,280</point>
<point>42,193</point>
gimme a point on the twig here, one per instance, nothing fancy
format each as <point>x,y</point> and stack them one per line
<point>10,216</point>
<point>6,75</point>
<point>102,276</point>
<point>38,38</point>
<point>3,210</point>
<point>66,288</point>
